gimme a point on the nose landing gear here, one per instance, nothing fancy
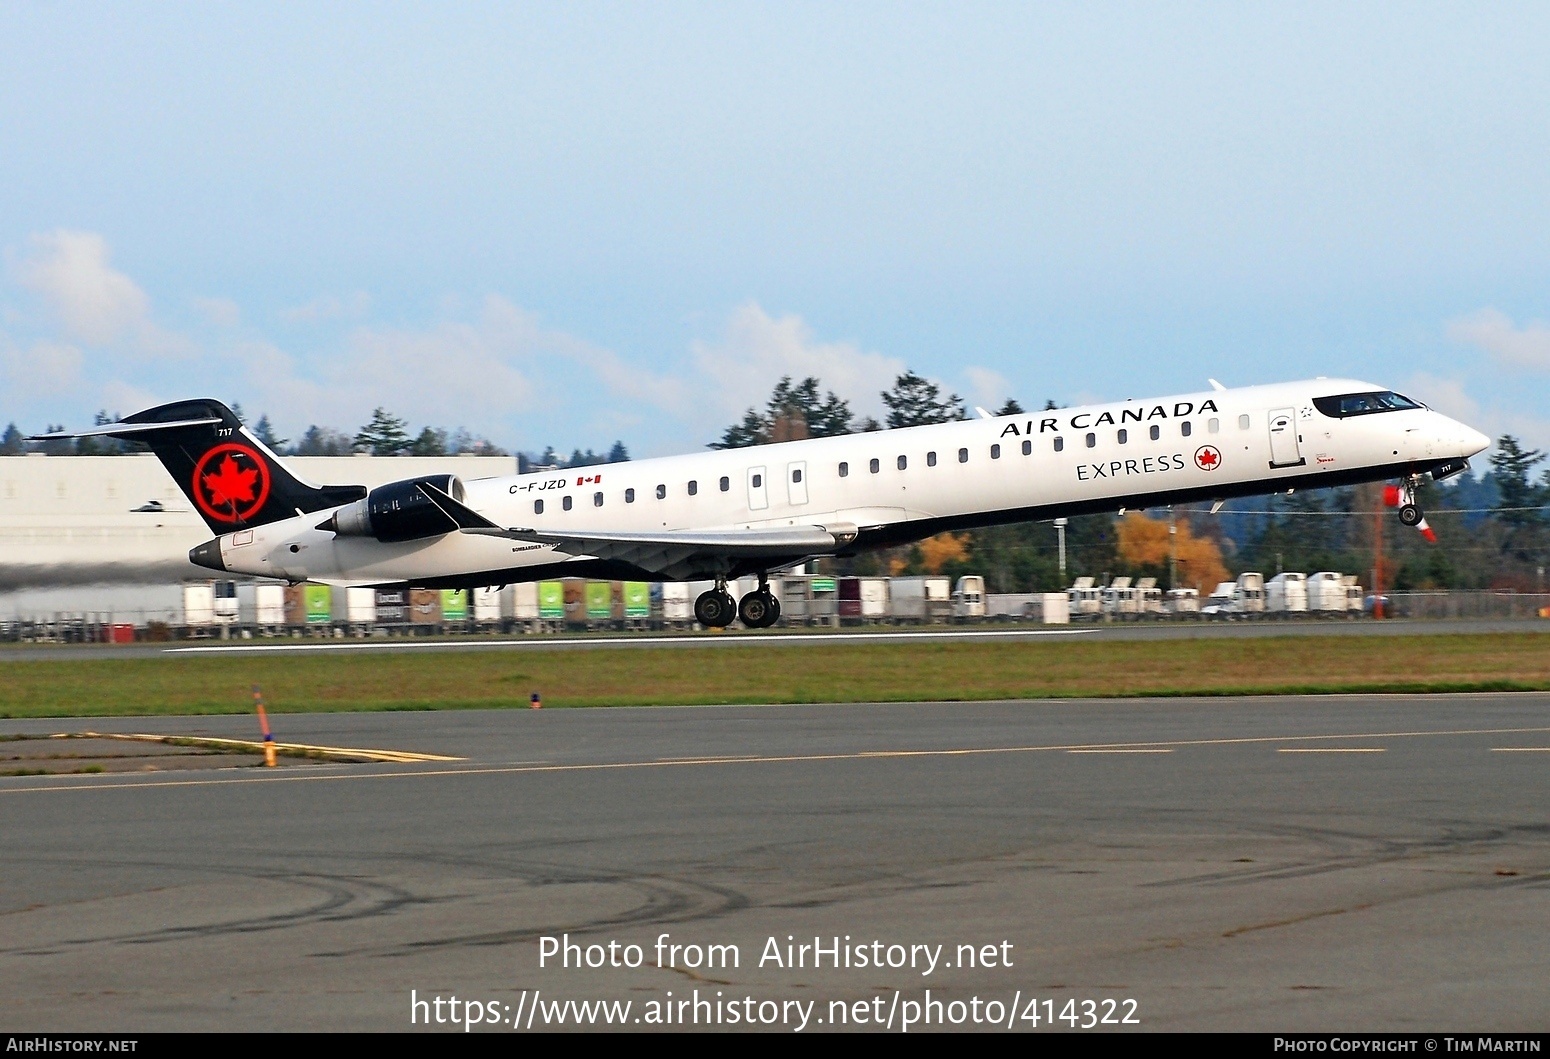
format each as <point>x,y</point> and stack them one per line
<point>1410,514</point>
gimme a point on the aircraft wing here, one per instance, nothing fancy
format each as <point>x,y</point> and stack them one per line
<point>672,553</point>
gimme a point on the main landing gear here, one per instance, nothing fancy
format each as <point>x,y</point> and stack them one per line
<point>759,609</point>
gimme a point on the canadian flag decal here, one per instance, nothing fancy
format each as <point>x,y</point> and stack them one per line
<point>596,479</point>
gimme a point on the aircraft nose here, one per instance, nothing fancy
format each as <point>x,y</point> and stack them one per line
<point>1474,441</point>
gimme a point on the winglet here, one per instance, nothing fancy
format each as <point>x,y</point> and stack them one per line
<point>465,517</point>
<point>1216,385</point>
<point>983,414</point>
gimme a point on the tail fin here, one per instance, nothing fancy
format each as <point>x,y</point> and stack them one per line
<point>232,478</point>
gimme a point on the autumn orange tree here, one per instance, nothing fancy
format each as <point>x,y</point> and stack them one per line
<point>1142,544</point>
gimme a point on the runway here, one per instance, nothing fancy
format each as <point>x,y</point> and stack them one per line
<point>1322,863</point>
<point>1124,631</point>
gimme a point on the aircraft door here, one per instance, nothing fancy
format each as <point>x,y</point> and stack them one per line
<point>796,482</point>
<point>758,490</point>
<point>1284,448</point>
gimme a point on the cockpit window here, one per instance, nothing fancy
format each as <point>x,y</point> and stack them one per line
<point>1361,404</point>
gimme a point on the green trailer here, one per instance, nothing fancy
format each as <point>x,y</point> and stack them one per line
<point>320,604</point>
<point>551,600</point>
<point>637,599</point>
<point>454,604</point>
<point>600,600</point>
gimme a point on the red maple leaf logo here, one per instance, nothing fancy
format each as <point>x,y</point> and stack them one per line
<point>1206,458</point>
<point>230,484</point>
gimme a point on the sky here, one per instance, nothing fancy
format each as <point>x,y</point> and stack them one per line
<point>567,224</point>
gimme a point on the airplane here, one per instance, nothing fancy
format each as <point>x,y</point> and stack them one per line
<point>751,511</point>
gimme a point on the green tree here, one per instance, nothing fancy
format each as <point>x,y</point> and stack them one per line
<point>1011,408</point>
<point>1511,465</point>
<point>383,436</point>
<point>916,401</point>
<point>264,432</point>
<point>429,443</point>
<point>12,444</point>
<point>322,441</point>
<point>793,412</point>
<point>618,454</point>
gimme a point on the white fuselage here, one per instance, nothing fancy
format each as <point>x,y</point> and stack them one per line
<point>897,485</point>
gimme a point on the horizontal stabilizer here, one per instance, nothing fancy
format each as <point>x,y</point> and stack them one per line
<point>123,430</point>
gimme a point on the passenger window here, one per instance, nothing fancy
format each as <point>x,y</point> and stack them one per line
<point>1186,428</point>
<point>995,452</point>
<point>796,475</point>
<point>1156,431</point>
<point>1243,422</point>
<point>1214,426</point>
<point>538,507</point>
<point>1027,448</point>
<point>661,492</point>
<point>903,462</point>
<point>876,466</point>
<point>597,499</point>
<point>963,455</point>
<point>726,483</point>
<point>565,503</point>
<point>629,496</point>
<point>1124,435</point>
<point>930,459</point>
<point>694,488</point>
<point>1092,441</point>
<point>1060,444</point>
<point>758,480</point>
<point>844,470</point>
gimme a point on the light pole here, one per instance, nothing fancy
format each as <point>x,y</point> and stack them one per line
<point>1173,551</point>
<point>1060,536</point>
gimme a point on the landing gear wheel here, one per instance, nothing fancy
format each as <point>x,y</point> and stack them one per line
<point>759,610</point>
<point>1410,515</point>
<point>715,609</point>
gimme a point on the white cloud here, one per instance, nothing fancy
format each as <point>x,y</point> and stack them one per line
<point>987,388</point>
<point>329,307</point>
<point>1445,395</point>
<point>222,312</point>
<point>93,303</point>
<point>1494,332</point>
<point>756,350</point>
<point>43,369</point>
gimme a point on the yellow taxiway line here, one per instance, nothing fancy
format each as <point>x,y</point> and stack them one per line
<point>396,757</point>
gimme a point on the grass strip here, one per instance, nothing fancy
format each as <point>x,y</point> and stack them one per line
<point>816,672</point>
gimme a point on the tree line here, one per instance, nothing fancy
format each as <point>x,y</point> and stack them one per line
<point>384,435</point>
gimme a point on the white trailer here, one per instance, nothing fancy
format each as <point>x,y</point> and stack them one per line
<point>1051,608</point>
<point>1354,601</point>
<point>487,606</point>
<point>1287,593</point>
<point>519,602</point>
<point>677,602</point>
<point>1326,593</point>
<point>1120,599</point>
<point>360,606</point>
<point>969,597</point>
<point>923,599</point>
<point>1149,598</point>
<point>1086,600</point>
<point>199,605</point>
<point>1249,594</point>
<point>1184,601</point>
<point>261,606</point>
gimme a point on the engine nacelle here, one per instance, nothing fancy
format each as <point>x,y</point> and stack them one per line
<point>398,511</point>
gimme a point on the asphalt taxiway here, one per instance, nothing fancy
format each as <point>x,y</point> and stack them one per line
<point>1318,863</point>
